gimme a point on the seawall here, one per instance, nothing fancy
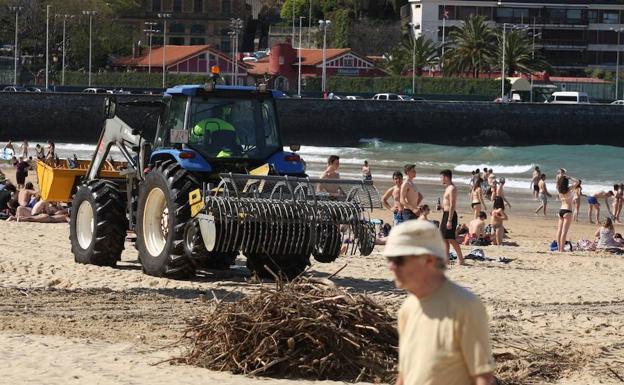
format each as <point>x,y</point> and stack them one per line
<point>78,118</point>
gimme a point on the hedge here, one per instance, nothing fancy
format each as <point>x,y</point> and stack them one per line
<point>447,85</point>
<point>130,79</point>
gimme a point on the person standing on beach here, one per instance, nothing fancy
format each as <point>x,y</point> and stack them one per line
<point>448,224</point>
<point>395,193</point>
<point>23,149</point>
<point>592,200</point>
<point>443,327</point>
<point>331,172</point>
<point>535,179</point>
<point>578,193</point>
<point>40,152</point>
<point>51,150</point>
<point>410,196</point>
<point>565,212</point>
<point>491,193</point>
<point>543,194</point>
<point>498,216</point>
<point>366,172</point>
<point>617,203</point>
<point>501,193</point>
<point>476,198</point>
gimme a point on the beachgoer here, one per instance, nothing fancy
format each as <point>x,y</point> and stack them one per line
<point>475,177</point>
<point>492,183</point>
<point>6,194</point>
<point>561,172</point>
<point>498,217</point>
<point>605,236</point>
<point>331,172</point>
<point>23,149</point>
<point>535,179</point>
<point>448,224</point>
<point>543,194</point>
<point>443,327</point>
<point>617,203</point>
<point>27,197</point>
<point>395,193</point>
<point>476,197</point>
<point>366,172</point>
<point>9,146</point>
<point>578,193</point>
<point>424,211</point>
<point>476,231</point>
<point>500,192</point>
<point>51,151</point>
<point>21,172</point>
<point>40,152</point>
<point>410,196</point>
<point>592,200</point>
<point>565,212</point>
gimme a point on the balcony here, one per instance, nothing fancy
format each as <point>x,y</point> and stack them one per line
<point>564,44</point>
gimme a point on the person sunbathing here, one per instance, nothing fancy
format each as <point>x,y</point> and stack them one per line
<point>476,231</point>
<point>605,236</point>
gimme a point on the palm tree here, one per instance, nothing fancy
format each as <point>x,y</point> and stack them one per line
<point>519,56</point>
<point>471,47</point>
<point>423,52</point>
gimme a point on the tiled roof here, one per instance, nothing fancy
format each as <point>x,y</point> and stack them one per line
<point>565,79</point>
<point>174,54</point>
<point>310,57</point>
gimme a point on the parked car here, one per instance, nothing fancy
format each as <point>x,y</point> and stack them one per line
<point>406,98</point>
<point>14,89</point>
<point>353,97</point>
<point>96,91</point>
<point>386,96</point>
<point>568,97</point>
<point>618,103</point>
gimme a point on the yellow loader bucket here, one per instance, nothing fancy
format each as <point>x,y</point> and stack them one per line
<point>57,180</point>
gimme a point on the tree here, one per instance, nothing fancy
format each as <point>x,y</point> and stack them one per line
<point>471,47</point>
<point>424,52</point>
<point>519,57</point>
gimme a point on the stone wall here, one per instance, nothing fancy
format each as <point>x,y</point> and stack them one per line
<point>78,118</point>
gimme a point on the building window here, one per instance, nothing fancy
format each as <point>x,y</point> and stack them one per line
<point>593,16</point>
<point>574,16</point>
<point>177,5</point>
<point>466,12</point>
<point>198,6</point>
<point>157,40</point>
<point>450,10</point>
<point>347,62</point>
<point>198,29</point>
<point>225,46</point>
<point>156,5</point>
<point>610,17</point>
<point>226,6</point>
<point>198,41</point>
<point>177,28</point>
<point>176,41</point>
<point>281,60</point>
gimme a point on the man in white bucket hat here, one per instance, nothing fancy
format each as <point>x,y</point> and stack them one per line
<point>443,327</point>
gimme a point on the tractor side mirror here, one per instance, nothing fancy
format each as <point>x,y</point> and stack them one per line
<point>110,107</point>
<point>295,147</point>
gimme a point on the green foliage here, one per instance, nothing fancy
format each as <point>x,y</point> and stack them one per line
<point>340,29</point>
<point>301,8</point>
<point>472,48</point>
<point>130,79</point>
<point>519,56</point>
<point>600,73</point>
<point>419,53</point>
<point>449,85</point>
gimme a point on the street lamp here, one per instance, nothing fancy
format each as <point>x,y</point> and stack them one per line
<point>16,10</point>
<point>299,58</point>
<point>164,16</point>
<point>150,31</point>
<point>90,14</point>
<point>237,26</point>
<point>534,35</point>
<point>412,33</point>
<point>65,16</point>
<point>617,64</point>
<point>309,22</point>
<point>47,46</point>
<point>324,24</point>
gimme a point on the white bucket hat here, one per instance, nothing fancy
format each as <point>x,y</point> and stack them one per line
<point>415,237</point>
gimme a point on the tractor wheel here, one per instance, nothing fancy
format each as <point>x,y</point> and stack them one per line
<point>288,267</point>
<point>163,212</point>
<point>196,250</point>
<point>98,224</point>
<point>328,243</point>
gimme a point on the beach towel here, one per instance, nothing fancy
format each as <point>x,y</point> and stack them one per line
<point>585,245</point>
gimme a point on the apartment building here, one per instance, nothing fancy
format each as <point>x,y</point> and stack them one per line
<point>573,35</point>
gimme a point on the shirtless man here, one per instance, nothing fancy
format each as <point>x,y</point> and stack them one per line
<point>395,193</point>
<point>500,192</point>
<point>535,179</point>
<point>24,197</point>
<point>331,172</point>
<point>593,203</point>
<point>543,194</point>
<point>448,224</point>
<point>491,193</point>
<point>410,196</point>
<point>476,227</point>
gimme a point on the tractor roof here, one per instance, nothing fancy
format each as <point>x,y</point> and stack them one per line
<point>191,90</point>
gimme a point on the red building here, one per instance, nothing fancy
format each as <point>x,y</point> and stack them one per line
<point>282,65</point>
<point>193,59</point>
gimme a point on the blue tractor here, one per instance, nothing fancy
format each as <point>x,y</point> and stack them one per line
<point>214,183</point>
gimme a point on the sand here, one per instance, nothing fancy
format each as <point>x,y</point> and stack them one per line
<point>61,322</point>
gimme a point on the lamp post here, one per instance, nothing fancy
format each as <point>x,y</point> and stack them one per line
<point>164,16</point>
<point>299,58</point>
<point>309,22</point>
<point>90,14</point>
<point>149,29</point>
<point>237,26</point>
<point>503,63</point>
<point>413,36</point>
<point>47,46</point>
<point>324,24</point>
<point>617,63</point>
<point>231,35</point>
<point>15,51</point>
<point>65,16</point>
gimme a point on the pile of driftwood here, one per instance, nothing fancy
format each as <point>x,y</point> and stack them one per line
<point>303,329</point>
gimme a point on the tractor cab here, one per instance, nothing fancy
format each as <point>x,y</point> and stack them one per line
<point>223,128</point>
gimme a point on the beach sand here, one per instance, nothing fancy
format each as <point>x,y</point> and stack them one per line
<point>61,322</point>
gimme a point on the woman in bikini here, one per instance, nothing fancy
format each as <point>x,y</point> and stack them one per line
<point>498,216</point>
<point>476,198</point>
<point>578,193</point>
<point>617,204</point>
<point>565,212</point>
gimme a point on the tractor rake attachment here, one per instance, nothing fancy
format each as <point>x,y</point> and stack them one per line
<point>283,217</point>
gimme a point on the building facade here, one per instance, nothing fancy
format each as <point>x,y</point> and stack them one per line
<point>573,35</point>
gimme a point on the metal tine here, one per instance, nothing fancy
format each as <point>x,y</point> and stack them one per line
<point>236,226</point>
<point>247,220</point>
<point>260,223</point>
<point>229,223</point>
<point>280,227</point>
<point>273,234</point>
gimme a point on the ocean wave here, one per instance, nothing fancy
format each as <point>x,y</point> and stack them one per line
<point>498,169</point>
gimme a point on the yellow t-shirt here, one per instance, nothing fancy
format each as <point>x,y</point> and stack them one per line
<point>444,338</point>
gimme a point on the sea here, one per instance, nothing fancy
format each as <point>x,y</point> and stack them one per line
<point>599,167</point>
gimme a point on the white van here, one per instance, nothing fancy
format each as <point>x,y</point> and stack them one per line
<point>569,97</point>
